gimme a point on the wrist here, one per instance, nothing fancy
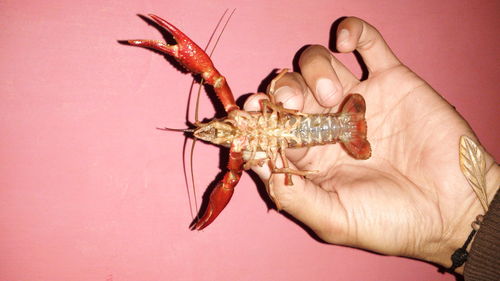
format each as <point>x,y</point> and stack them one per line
<point>463,226</point>
<point>457,225</point>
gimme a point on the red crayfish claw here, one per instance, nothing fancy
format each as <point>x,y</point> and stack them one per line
<point>192,57</point>
<point>186,52</point>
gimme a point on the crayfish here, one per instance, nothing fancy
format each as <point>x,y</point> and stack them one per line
<point>258,138</point>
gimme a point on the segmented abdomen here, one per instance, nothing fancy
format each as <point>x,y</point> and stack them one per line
<point>317,129</point>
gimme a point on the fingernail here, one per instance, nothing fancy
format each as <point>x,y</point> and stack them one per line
<point>253,102</point>
<point>342,37</point>
<point>325,89</point>
<point>284,93</point>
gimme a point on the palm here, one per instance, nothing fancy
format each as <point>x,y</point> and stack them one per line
<point>380,196</point>
<point>410,197</point>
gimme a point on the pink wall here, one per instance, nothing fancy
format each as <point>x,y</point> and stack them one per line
<point>90,190</point>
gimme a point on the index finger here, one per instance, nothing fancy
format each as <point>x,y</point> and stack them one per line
<point>288,90</point>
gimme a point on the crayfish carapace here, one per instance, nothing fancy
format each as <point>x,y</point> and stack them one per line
<point>257,138</point>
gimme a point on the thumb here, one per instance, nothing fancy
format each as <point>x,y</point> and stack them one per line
<point>306,201</point>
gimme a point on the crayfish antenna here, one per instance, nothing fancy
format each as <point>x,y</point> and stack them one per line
<point>201,222</point>
<point>176,130</point>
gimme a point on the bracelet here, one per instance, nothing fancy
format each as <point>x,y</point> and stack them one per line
<point>459,257</point>
<point>472,165</point>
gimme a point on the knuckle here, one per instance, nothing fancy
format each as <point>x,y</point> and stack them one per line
<point>294,76</point>
<point>314,53</point>
<point>291,79</point>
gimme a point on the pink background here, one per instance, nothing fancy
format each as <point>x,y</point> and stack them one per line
<point>90,190</point>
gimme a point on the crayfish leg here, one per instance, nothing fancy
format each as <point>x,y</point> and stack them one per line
<point>272,85</point>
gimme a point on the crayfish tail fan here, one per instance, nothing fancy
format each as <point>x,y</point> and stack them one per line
<point>356,144</point>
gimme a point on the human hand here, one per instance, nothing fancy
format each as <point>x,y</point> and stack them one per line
<point>410,198</point>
